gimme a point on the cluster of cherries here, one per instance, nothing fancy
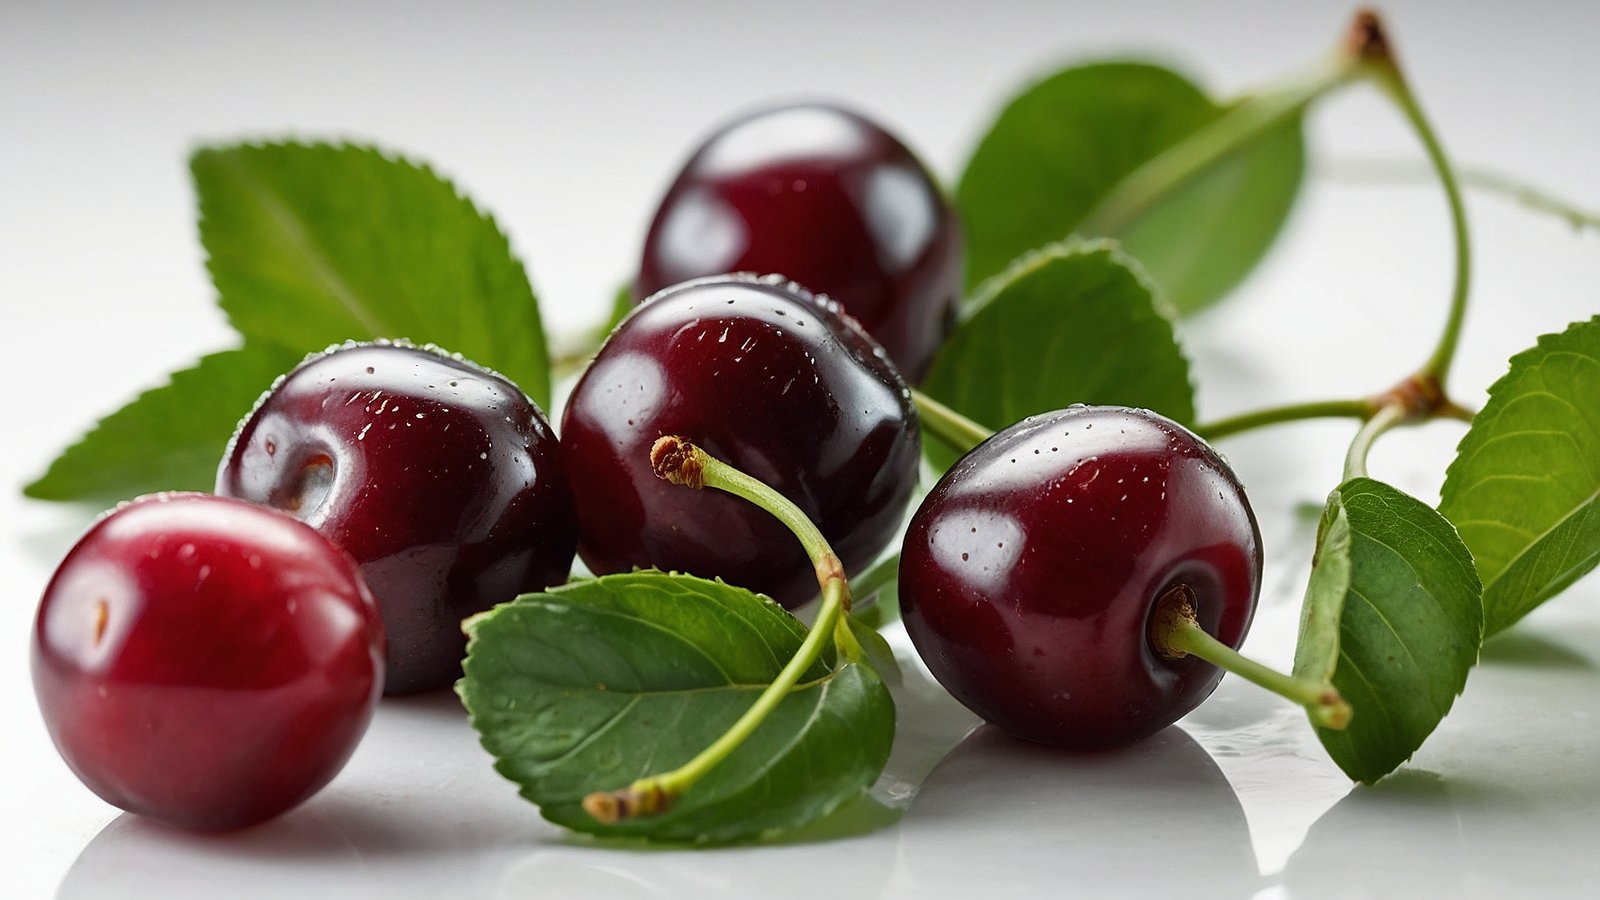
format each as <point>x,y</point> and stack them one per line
<point>212,660</point>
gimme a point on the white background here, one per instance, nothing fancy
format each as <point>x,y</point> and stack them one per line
<point>566,120</point>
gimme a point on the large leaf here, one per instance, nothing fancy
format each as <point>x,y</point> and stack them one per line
<point>1394,611</point>
<point>1524,486</point>
<point>595,684</point>
<point>314,244</point>
<point>1073,323</point>
<point>1058,149</point>
<point>171,437</point>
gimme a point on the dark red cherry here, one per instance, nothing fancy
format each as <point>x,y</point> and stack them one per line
<point>442,479</point>
<point>761,375</point>
<point>1030,574</point>
<point>830,200</point>
<point>206,662</point>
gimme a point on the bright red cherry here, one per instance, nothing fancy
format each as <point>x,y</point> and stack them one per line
<point>768,378</point>
<point>206,662</point>
<point>830,200</point>
<point>442,479</point>
<point>1030,575</point>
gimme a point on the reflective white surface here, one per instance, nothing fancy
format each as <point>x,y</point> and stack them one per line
<point>567,126</point>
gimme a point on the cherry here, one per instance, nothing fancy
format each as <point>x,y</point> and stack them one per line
<point>204,661</point>
<point>830,200</point>
<point>1032,575</point>
<point>767,377</point>
<point>442,479</point>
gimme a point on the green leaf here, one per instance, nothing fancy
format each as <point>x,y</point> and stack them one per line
<point>1060,147</point>
<point>621,304</point>
<point>170,438</point>
<point>1073,323</point>
<point>875,649</point>
<point>313,244</point>
<point>1524,488</point>
<point>595,684</point>
<point>1394,611</point>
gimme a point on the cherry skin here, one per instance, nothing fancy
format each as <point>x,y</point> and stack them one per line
<point>442,479</point>
<point>768,378</point>
<point>206,662</point>
<point>830,200</point>
<point>1031,573</point>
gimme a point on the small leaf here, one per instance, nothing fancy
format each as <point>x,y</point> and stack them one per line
<point>595,684</point>
<point>1061,146</point>
<point>1073,323</point>
<point>313,244</point>
<point>1394,610</point>
<point>1524,488</point>
<point>875,649</point>
<point>1316,656</point>
<point>169,438</point>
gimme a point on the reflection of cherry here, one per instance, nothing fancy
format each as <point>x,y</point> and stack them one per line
<point>204,661</point>
<point>1031,575</point>
<point>829,199</point>
<point>1145,821</point>
<point>397,823</point>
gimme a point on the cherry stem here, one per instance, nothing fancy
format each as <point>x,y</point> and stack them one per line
<point>677,460</point>
<point>1294,412</point>
<point>1243,124</point>
<point>1355,459</point>
<point>1176,633</point>
<point>1386,71</point>
<point>866,584</point>
<point>960,433</point>
<point>1532,197</point>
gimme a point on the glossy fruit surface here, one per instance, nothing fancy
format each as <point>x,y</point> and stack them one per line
<point>204,661</point>
<point>763,376</point>
<point>442,479</point>
<point>1030,574</point>
<point>830,200</point>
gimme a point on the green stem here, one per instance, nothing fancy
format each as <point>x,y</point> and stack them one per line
<point>1355,459</point>
<point>1176,633</point>
<point>1471,178</point>
<point>1236,129</point>
<point>1387,73</point>
<point>676,460</point>
<point>949,426</point>
<point>884,572</point>
<point>1321,409</point>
